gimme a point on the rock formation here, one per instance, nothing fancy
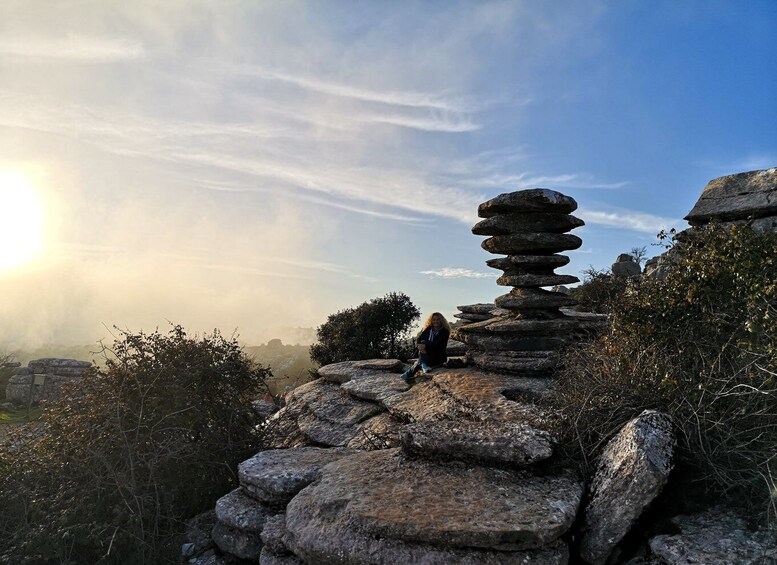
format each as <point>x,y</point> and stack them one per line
<point>625,267</point>
<point>528,227</point>
<point>56,372</point>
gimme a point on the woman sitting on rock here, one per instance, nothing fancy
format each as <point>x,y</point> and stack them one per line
<point>431,344</point>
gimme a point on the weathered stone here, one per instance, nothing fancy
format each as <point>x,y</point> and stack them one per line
<point>269,558</point>
<point>380,432</point>
<point>329,415</point>
<point>275,476</point>
<point>473,317</point>
<point>273,532</point>
<point>506,342</point>
<point>533,298</point>
<point>264,408</point>
<point>239,511</point>
<point>530,326</point>
<point>344,371</point>
<point>625,266</point>
<point>534,263</point>
<point>737,197</point>
<point>520,362</point>
<point>376,387</point>
<point>198,531</point>
<point>385,495</point>
<point>527,280</point>
<point>281,430</point>
<point>379,364</point>
<point>531,200</point>
<point>241,543</point>
<point>18,388</point>
<point>424,401</point>
<point>505,224</point>
<point>484,442</point>
<point>715,537</point>
<point>483,308</point>
<point>531,243</point>
<point>632,471</point>
<point>456,348</point>
<point>210,557</point>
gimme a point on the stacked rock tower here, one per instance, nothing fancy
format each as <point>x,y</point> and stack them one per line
<point>529,227</point>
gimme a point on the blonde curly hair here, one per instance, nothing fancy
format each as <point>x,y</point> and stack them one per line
<point>428,322</point>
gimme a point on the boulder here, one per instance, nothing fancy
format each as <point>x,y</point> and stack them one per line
<point>715,537</point>
<point>737,197</point>
<point>625,267</point>
<point>379,507</point>
<point>486,442</point>
<point>632,470</point>
<point>274,477</point>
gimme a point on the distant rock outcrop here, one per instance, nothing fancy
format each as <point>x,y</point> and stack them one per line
<point>42,379</point>
<point>625,267</point>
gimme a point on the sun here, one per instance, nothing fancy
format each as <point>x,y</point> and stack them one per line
<point>21,220</point>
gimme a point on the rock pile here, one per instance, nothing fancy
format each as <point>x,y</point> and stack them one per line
<point>56,371</point>
<point>529,227</point>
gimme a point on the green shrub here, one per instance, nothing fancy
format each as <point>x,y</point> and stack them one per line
<point>127,456</point>
<point>599,291</point>
<point>373,330</point>
<point>700,345</point>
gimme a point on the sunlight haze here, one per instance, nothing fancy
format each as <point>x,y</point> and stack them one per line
<point>251,165</point>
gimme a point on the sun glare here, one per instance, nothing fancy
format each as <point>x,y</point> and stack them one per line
<point>21,220</point>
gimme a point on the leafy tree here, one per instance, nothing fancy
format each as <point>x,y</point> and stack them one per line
<point>130,453</point>
<point>374,329</point>
<point>700,345</point>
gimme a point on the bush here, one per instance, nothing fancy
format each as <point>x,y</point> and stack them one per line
<point>127,456</point>
<point>700,345</point>
<point>373,330</point>
<point>599,291</point>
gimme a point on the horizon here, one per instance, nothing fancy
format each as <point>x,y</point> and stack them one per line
<point>246,166</point>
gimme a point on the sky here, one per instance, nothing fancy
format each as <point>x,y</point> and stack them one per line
<point>250,165</point>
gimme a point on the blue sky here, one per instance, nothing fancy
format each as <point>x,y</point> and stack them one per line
<point>248,165</point>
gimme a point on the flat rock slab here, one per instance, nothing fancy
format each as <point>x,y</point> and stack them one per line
<point>275,476</point>
<point>534,298</point>
<point>240,511</point>
<point>505,224</point>
<point>530,200</point>
<point>425,401</point>
<point>380,432</point>
<point>507,443</point>
<point>632,470</point>
<point>376,387</point>
<point>517,362</point>
<point>384,495</point>
<point>328,414</point>
<point>531,243</point>
<point>480,308</point>
<point>346,370</point>
<point>737,197</point>
<point>531,280</point>
<point>379,364</point>
<point>715,537</point>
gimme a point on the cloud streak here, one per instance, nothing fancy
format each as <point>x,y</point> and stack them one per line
<point>457,273</point>
<point>75,48</point>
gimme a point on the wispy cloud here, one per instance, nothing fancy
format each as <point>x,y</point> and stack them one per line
<point>629,219</point>
<point>72,47</point>
<point>457,273</point>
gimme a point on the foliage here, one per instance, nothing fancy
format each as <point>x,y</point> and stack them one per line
<point>374,329</point>
<point>6,372</point>
<point>125,457</point>
<point>700,345</point>
<point>639,254</point>
<point>291,364</point>
<point>599,291</point>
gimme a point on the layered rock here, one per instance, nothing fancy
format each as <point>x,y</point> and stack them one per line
<point>43,379</point>
<point>625,267</point>
<point>750,196</point>
<point>528,227</point>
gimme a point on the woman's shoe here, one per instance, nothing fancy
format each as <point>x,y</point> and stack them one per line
<point>406,376</point>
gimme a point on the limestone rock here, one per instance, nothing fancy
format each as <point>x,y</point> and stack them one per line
<point>383,494</point>
<point>269,558</point>
<point>240,543</point>
<point>380,432</point>
<point>632,471</point>
<point>535,280</point>
<point>273,532</point>
<point>505,342</point>
<point>346,370</point>
<point>264,408</point>
<point>482,308</point>
<point>376,387</point>
<point>379,364</point>
<point>737,197</point>
<point>531,200</point>
<point>275,476</point>
<point>533,298</point>
<point>484,442</point>
<point>328,414</point>
<point>625,266</point>
<point>527,363</point>
<point>515,263</point>
<point>715,537</point>
<point>472,317</point>
<point>531,243</point>
<point>527,222</point>
<point>239,511</point>
<point>456,348</point>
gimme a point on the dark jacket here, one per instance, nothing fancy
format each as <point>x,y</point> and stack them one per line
<point>435,350</point>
